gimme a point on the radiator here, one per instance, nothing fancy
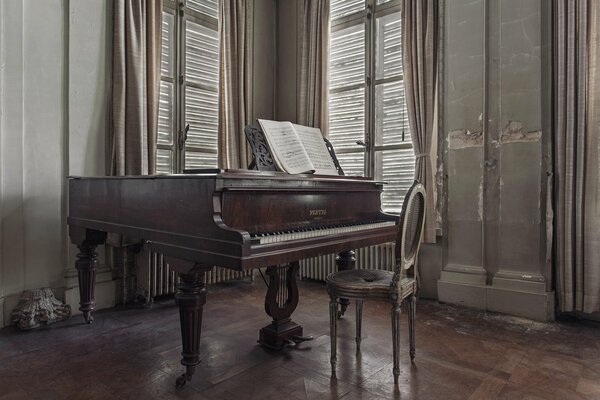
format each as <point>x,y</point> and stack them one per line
<point>155,277</point>
<point>373,257</point>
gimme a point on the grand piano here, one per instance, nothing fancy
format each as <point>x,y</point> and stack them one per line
<point>238,219</point>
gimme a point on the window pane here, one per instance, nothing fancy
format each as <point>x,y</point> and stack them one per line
<point>339,8</point>
<point>165,113</point>
<point>164,161</point>
<point>201,54</point>
<point>196,159</point>
<point>353,164</point>
<point>346,118</point>
<point>168,45</point>
<point>391,118</point>
<point>382,1</point>
<point>201,113</point>
<point>208,7</point>
<point>397,168</point>
<point>347,57</point>
<point>389,46</point>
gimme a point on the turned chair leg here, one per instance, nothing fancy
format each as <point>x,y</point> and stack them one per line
<point>359,307</point>
<point>333,316</point>
<point>396,339</point>
<point>412,309</point>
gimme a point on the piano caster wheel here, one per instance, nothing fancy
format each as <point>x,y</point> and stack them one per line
<point>87,316</point>
<point>187,376</point>
<point>180,382</point>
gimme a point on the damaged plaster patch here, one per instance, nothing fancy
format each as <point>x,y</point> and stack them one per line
<point>513,133</point>
<point>464,138</point>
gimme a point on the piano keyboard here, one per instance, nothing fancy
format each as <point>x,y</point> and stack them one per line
<point>276,237</point>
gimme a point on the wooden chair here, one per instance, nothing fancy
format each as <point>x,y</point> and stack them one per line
<point>392,286</point>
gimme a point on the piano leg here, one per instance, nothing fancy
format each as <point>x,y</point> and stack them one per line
<point>190,297</point>
<point>345,261</point>
<point>87,260</point>
<point>280,302</point>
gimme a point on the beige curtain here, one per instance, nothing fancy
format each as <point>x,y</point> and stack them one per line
<point>235,82</point>
<point>576,148</point>
<point>314,63</point>
<point>420,54</point>
<point>137,28</point>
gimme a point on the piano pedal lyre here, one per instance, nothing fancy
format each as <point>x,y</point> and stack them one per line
<point>280,302</point>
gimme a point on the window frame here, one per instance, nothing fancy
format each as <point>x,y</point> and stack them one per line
<point>373,151</point>
<point>182,14</point>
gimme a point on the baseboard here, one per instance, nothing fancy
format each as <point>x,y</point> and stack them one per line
<point>535,306</point>
<point>463,294</point>
<point>516,297</point>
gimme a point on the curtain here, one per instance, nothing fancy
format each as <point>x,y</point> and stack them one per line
<point>419,61</point>
<point>235,82</point>
<point>137,28</point>
<point>314,63</point>
<point>576,149</point>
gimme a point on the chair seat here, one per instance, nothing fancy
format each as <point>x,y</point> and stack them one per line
<point>364,283</point>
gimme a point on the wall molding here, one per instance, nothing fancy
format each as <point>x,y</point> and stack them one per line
<point>524,298</point>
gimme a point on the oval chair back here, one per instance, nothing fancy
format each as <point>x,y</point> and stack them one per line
<point>410,231</point>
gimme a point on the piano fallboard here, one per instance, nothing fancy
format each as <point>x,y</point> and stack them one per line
<point>218,217</point>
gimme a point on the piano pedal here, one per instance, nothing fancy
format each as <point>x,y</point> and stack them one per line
<point>300,339</point>
<point>289,343</point>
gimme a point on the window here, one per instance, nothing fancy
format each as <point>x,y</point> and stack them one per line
<point>368,121</point>
<point>188,104</point>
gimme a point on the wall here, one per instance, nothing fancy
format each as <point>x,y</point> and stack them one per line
<point>55,60</point>
<point>496,108</point>
<point>53,102</point>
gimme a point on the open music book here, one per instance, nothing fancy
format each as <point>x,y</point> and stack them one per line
<point>298,149</point>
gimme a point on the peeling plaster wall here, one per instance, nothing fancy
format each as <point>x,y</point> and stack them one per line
<point>496,109</point>
<point>464,68</point>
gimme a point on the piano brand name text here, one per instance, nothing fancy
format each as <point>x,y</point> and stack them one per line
<point>314,213</point>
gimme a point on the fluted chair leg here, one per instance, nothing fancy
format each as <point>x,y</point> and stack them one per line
<point>396,311</point>
<point>412,310</point>
<point>333,316</point>
<point>359,306</point>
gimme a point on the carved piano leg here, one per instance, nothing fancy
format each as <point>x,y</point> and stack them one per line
<point>345,261</point>
<point>87,261</point>
<point>280,302</point>
<point>190,297</point>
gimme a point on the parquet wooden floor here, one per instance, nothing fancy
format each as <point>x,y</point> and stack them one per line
<point>461,354</point>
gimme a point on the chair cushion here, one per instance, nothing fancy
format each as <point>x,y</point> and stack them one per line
<point>361,277</point>
<point>363,283</point>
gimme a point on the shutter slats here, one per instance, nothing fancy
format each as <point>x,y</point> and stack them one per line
<point>339,8</point>
<point>208,7</point>
<point>399,173</point>
<point>165,113</point>
<point>347,57</point>
<point>201,54</point>
<point>201,113</point>
<point>167,50</point>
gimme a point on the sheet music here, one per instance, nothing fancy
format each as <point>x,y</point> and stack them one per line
<point>286,147</point>
<point>317,151</point>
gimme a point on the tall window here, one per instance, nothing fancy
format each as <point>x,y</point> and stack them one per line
<point>188,110</point>
<point>368,122</point>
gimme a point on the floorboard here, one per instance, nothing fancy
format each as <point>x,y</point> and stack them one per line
<point>134,352</point>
